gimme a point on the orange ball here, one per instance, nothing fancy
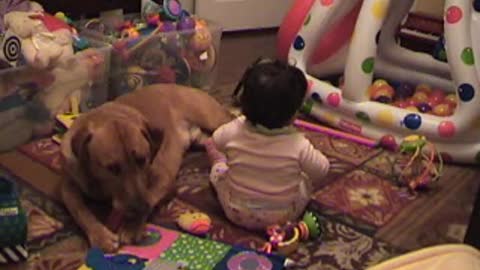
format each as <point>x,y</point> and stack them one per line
<point>443,109</point>
<point>451,100</point>
<point>420,97</point>
<point>379,82</point>
<point>423,87</point>
<point>382,91</point>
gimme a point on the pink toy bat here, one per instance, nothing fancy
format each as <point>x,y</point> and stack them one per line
<point>336,133</point>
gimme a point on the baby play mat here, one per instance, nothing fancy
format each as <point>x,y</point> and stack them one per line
<point>164,249</point>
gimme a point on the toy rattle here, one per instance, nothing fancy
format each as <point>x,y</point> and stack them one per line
<point>415,145</point>
<point>286,239</point>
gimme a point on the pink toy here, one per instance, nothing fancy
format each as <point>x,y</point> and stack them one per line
<point>336,133</point>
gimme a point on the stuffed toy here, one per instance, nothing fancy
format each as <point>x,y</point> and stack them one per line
<point>31,111</point>
<point>7,6</point>
<point>42,40</point>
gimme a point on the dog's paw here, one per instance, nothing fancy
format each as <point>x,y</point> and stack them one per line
<point>104,239</point>
<point>130,234</point>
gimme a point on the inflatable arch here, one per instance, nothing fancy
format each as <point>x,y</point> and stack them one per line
<point>357,38</point>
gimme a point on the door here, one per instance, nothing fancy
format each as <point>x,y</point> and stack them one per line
<point>243,14</point>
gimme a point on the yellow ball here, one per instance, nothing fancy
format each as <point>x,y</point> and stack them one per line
<point>412,108</point>
<point>379,82</point>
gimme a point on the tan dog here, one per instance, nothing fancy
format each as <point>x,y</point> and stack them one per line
<point>128,152</point>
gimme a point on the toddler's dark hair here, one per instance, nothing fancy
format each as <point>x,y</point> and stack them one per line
<point>272,93</point>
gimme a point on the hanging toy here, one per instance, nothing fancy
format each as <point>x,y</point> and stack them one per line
<point>420,170</point>
<point>286,239</point>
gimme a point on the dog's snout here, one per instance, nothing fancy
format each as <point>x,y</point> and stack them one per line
<point>137,208</point>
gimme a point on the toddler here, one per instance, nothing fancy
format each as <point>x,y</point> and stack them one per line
<point>262,167</point>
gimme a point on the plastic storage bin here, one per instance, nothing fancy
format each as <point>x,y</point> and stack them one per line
<point>159,53</point>
<point>31,98</point>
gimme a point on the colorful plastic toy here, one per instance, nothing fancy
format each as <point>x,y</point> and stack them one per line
<point>195,223</point>
<point>285,239</point>
<point>420,169</point>
<point>358,38</point>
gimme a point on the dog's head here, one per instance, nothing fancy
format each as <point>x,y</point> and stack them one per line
<point>116,157</point>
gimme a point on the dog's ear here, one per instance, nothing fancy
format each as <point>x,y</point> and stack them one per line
<point>79,144</point>
<point>154,138</point>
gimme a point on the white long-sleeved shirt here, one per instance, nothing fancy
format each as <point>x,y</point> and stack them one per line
<point>269,165</point>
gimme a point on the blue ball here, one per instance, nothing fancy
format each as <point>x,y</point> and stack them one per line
<point>299,43</point>
<point>476,5</point>
<point>466,92</point>
<point>413,121</point>
<point>404,90</point>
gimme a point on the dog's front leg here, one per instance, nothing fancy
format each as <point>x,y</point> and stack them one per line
<point>165,166</point>
<point>98,234</point>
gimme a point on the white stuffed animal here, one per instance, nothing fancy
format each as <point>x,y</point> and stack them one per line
<point>43,40</point>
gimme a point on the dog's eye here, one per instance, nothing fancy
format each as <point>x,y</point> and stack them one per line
<point>115,169</point>
<point>140,161</point>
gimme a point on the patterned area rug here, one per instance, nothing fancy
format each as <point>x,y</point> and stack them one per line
<point>366,218</point>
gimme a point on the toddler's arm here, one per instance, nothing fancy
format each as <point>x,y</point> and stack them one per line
<point>215,146</point>
<point>313,163</point>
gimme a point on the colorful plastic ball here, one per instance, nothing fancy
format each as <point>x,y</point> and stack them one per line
<point>388,141</point>
<point>405,90</point>
<point>451,99</point>
<point>437,95</point>
<point>424,107</point>
<point>423,87</point>
<point>401,104</point>
<point>412,102</point>
<point>383,90</point>
<point>379,83</point>
<point>443,109</point>
<point>384,99</point>
<point>420,97</point>
<point>186,23</point>
<point>413,121</point>
<point>412,108</point>
<point>395,84</point>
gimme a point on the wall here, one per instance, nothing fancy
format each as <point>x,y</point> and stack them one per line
<point>188,5</point>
